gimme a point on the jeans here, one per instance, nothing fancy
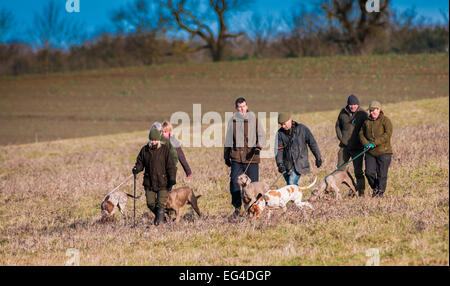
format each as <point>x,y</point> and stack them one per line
<point>292,178</point>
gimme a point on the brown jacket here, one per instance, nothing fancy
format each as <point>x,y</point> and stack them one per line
<point>244,135</point>
<point>160,171</point>
<point>379,133</point>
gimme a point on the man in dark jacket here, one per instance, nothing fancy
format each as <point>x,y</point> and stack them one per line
<point>348,124</point>
<point>244,139</point>
<point>160,173</point>
<point>292,153</point>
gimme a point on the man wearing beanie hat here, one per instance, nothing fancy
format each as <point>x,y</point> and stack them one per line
<point>292,153</point>
<point>159,173</point>
<point>347,127</point>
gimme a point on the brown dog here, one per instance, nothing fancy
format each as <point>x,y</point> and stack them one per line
<point>250,190</point>
<point>331,183</point>
<point>178,198</point>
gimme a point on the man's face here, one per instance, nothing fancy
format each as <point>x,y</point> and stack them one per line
<point>154,143</point>
<point>375,113</point>
<point>242,108</point>
<point>353,107</point>
<point>287,125</point>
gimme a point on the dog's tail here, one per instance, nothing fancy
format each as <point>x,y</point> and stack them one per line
<point>131,196</point>
<point>310,185</point>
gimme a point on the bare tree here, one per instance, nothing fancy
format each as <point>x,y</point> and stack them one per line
<point>356,24</point>
<point>306,32</point>
<point>190,18</point>
<point>6,24</point>
<point>52,29</point>
<point>261,30</point>
<point>141,17</point>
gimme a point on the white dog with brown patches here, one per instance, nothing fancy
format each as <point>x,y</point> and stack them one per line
<point>277,199</point>
<point>113,201</point>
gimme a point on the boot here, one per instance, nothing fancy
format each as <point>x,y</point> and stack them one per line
<point>159,216</point>
<point>360,186</point>
<point>375,192</point>
<point>236,212</point>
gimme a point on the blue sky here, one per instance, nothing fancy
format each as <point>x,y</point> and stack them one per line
<point>95,13</point>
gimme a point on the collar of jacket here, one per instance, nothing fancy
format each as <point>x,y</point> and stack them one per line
<point>249,115</point>
<point>149,145</point>
<point>346,109</point>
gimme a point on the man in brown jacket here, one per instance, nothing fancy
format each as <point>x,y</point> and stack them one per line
<point>244,139</point>
<point>347,127</point>
<point>376,134</point>
<point>160,173</point>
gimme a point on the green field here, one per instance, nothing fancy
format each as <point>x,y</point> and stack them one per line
<point>40,108</point>
<point>50,192</point>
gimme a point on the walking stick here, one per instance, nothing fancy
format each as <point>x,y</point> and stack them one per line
<point>134,202</point>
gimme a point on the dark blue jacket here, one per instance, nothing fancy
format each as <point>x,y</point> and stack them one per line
<point>292,148</point>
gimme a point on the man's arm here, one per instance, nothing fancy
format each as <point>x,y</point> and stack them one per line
<point>338,129</point>
<point>140,161</point>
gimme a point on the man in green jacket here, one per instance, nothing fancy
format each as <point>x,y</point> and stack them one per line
<point>347,127</point>
<point>160,173</point>
<point>376,134</point>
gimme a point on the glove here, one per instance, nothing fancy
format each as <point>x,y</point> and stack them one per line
<point>228,162</point>
<point>318,163</point>
<point>281,169</point>
<point>257,150</point>
<point>172,183</point>
<point>369,146</point>
<point>134,171</point>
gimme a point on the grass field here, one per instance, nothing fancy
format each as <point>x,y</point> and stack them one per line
<point>50,192</point>
<point>38,108</point>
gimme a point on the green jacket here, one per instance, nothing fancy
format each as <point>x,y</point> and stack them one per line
<point>173,151</point>
<point>347,128</point>
<point>158,166</point>
<point>379,133</point>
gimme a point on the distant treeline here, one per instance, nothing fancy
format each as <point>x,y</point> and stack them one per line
<point>144,35</point>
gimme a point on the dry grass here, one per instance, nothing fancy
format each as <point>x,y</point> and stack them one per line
<point>50,195</point>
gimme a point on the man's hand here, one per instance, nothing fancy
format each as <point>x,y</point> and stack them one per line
<point>369,146</point>
<point>172,183</point>
<point>257,150</point>
<point>228,162</point>
<point>134,171</point>
<point>318,162</point>
<point>281,169</point>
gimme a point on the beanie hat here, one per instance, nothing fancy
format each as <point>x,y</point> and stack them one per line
<point>352,100</point>
<point>283,117</point>
<point>154,134</point>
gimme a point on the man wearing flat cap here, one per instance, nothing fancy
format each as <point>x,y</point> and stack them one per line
<point>348,124</point>
<point>292,154</point>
